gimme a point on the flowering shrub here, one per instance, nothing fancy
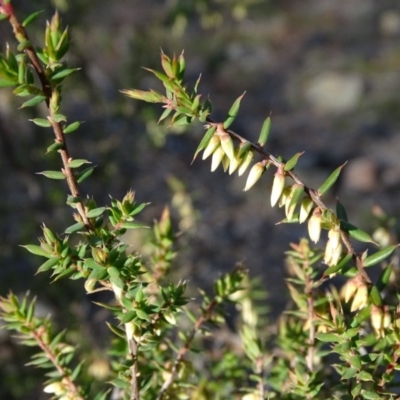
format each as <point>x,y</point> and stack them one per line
<point>337,343</point>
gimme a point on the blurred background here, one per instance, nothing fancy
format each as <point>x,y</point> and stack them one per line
<point>327,71</point>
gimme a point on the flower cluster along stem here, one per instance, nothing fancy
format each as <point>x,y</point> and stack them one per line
<point>48,91</point>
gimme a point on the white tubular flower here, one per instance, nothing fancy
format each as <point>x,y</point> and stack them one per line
<point>314,225</point>
<point>285,194</point>
<point>227,145</point>
<point>305,209</point>
<point>211,147</point>
<point>254,175</point>
<point>328,253</point>
<point>245,163</point>
<point>334,236</point>
<point>361,298</point>
<point>277,186</point>
<point>217,157</point>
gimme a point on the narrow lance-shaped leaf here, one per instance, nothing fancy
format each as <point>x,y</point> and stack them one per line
<point>204,142</point>
<point>85,174</point>
<point>297,192</point>
<point>265,130</point>
<point>50,263</point>
<point>96,212</point>
<point>341,211</point>
<point>356,233</point>
<point>375,296</point>
<point>44,123</point>
<point>340,265</point>
<point>72,127</point>
<point>78,163</point>
<point>34,101</point>
<point>37,250</point>
<point>379,256</point>
<point>233,112</point>
<point>331,180</point>
<point>52,174</point>
<point>292,162</point>
<point>384,278</point>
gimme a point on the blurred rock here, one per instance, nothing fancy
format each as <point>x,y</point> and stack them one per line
<point>361,175</point>
<point>389,23</point>
<point>333,92</point>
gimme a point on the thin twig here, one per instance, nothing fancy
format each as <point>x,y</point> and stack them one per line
<point>48,91</point>
<point>186,347</point>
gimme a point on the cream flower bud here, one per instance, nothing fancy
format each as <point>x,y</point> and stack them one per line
<point>314,225</point>
<point>328,253</point>
<point>361,298</point>
<point>334,236</point>
<point>254,175</point>
<point>277,186</point>
<point>225,163</point>
<point>234,164</point>
<point>211,147</point>
<point>56,387</point>
<point>349,289</point>
<point>227,145</point>
<point>285,194</point>
<point>305,209</point>
<point>246,161</point>
<point>380,320</point>
<point>217,157</point>
<point>336,254</point>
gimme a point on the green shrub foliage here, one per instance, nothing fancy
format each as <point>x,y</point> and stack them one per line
<point>332,342</point>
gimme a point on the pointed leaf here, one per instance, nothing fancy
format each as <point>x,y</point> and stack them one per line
<point>375,296</point>
<point>78,163</point>
<point>233,112</point>
<point>7,83</point>
<point>34,101</point>
<point>73,228</point>
<point>384,278</point>
<point>379,256</point>
<point>44,123</point>
<point>96,212</point>
<point>65,72</point>
<point>331,180</point>
<point>85,174</point>
<point>292,162</point>
<point>50,263</point>
<point>265,130</point>
<point>132,225</point>
<point>30,18</point>
<point>52,174</point>
<point>204,142</point>
<point>341,211</point>
<point>72,127</point>
<point>356,233</point>
<point>37,250</point>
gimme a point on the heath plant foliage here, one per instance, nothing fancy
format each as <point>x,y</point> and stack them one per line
<point>338,339</point>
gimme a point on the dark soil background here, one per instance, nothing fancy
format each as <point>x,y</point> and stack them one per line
<point>328,71</point>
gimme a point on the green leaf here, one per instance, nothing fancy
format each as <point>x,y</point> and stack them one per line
<point>44,123</point>
<point>96,212</point>
<point>78,163</point>
<point>143,315</point>
<point>328,337</point>
<point>127,317</point>
<point>341,211</point>
<point>52,174</point>
<point>349,373</point>
<point>50,263</point>
<point>165,114</point>
<point>265,130</point>
<point>369,395</point>
<point>204,142</point>
<point>64,73</point>
<point>34,101</point>
<point>379,256</point>
<point>85,174</point>
<point>292,162</point>
<point>116,331</point>
<point>73,228</point>
<point>233,112</point>
<point>355,233</point>
<point>59,118</point>
<point>54,147</point>
<point>331,180</point>
<point>132,225</point>
<point>72,127</point>
<point>384,278</point>
<point>375,296</point>
<point>365,376</point>
<point>37,250</point>
<point>341,264</point>
<point>30,18</point>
